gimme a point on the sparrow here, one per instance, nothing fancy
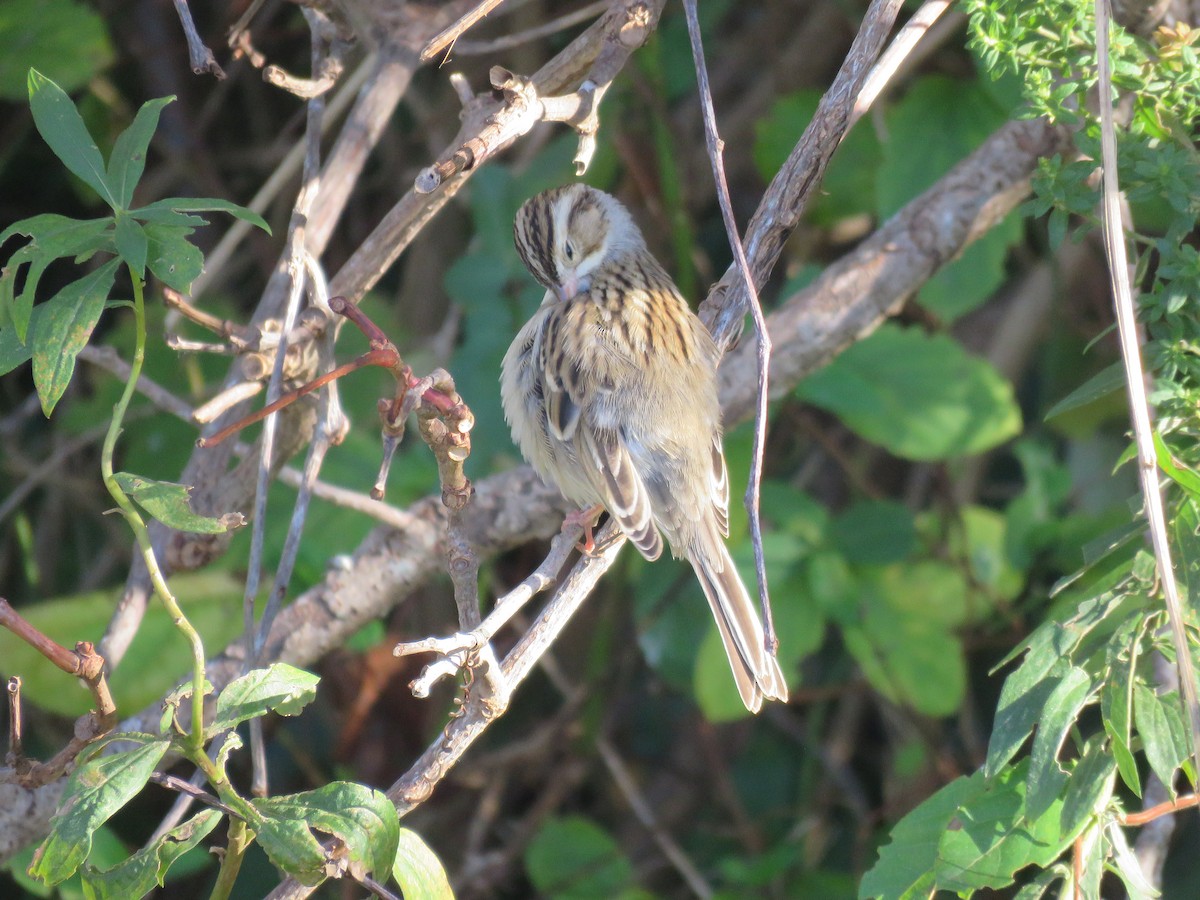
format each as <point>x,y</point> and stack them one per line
<point>610,391</point>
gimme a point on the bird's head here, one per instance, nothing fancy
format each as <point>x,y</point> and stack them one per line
<point>565,234</point>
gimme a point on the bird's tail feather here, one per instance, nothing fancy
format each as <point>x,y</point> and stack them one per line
<point>756,671</point>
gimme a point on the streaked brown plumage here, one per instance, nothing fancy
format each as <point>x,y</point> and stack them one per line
<point>611,394</point>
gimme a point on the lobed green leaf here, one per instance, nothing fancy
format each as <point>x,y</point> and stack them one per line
<point>1058,714</point>
<point>51,237</point>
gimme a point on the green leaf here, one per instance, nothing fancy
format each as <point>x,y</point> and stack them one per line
<point>132,243</point>
<point>922,397</point>
<point>156,659</point>
<point>68,39</point>
<point>418,870</point>
<point>1127,866</point>
<point>62,128</point>
<point>64,330</point>
<point>573,858</point>
<point>1116,698</point>
<point>14,351</point>
<point>903,640</point>
<point>93,793</point>
<point>280,688</point>
<point>128,158</point>
<point>172,257</point>
<point>1160,723</point>
<point>848,188</point>
<point>1102,384</point>
<point>906,863</point>
<point>1187,478</point>
<point>1058,714</point>
<point>138,875</point>
<point>1090,786</point>
<point>992,836</point>
<point>1025,693</point>
<point>965,282</point>
<point>874,531</point>
<point>204,204</point>
<point>960,114</point>
<point>364,820</point>
<point>51,236</point>
<point>168,502</point>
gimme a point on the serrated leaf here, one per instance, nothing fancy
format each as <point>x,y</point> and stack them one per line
<point>138,875</point>
<point>64,329</point>
<point>573,857</point>
<point>168,502</point>
<point>1024,694</point>
<point>1058,714</point>
<point>906,863</point>
<point>132,244</point>
<point>992,836</point>
<point>172,257</point>
<point>364,820</point>
<point>62,128</point>
<point>93,793</point>
<point>279,688</point>
<point>418,870</point>
<point>920,396</point>
<point>207,204</point>
<point>128,158</point>
<point>51,237</point>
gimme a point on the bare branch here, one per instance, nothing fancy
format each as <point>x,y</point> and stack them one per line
<point>200,57</point>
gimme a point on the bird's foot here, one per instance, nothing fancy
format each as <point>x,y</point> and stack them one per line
<point>586,519</point>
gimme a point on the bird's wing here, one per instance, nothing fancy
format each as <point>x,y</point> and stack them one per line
<point>576,386</point>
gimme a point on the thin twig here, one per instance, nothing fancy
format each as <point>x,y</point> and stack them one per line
<point>1135,381</point>
<point>716,148</point>
<point>899,51</point>
<point>298,272</point>
<point>1162,809</point>
<point>200,57</point>
<point>518,38</point>
<point>448,36</point>
<point>784,201</point>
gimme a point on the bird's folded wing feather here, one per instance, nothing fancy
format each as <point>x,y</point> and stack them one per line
<point>571,399</point>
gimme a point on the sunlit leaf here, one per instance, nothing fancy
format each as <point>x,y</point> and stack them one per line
<point>64,329</point>
<point>94,791</point>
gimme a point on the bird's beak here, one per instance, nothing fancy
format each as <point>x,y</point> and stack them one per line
<point>572,285</point>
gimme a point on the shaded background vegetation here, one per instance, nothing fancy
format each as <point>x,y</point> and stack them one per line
<point>920,501</point>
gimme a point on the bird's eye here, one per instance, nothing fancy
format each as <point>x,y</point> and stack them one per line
<point>569,250</point>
